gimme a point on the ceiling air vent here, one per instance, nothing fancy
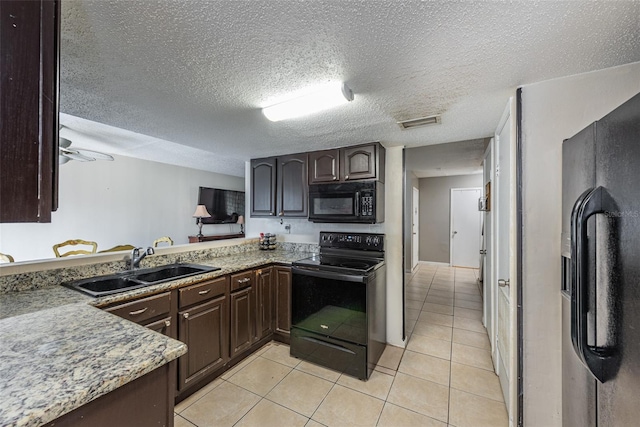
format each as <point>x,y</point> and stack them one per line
<point>422,121</point>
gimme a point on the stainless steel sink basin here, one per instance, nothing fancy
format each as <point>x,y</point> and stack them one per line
<point>129,280</point>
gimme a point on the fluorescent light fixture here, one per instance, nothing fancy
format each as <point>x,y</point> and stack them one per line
<point>324,98</point>
<point>422,121</point>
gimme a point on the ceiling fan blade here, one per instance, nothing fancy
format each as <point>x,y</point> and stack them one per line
<point>64,142</point>
<point>95,154</point>
<point>79,157</point>
<point>62,159</point>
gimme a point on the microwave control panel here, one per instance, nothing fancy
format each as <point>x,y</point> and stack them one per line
<point>366,203</point>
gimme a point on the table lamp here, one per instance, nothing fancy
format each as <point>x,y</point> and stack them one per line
<point>241,222</point>
<point>201,212</point>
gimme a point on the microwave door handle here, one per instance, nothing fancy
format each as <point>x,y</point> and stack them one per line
<point>357,212</point>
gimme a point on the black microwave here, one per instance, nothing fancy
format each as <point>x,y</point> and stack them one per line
<point>350,202</point>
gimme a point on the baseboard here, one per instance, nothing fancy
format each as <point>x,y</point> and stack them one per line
<point>440,264</point>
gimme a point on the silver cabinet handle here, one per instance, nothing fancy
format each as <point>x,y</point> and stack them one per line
<point>186,315</point>
<point>502,283</point>
<point>167,323</point>
<point>206,291</point>
<point>135,313</point>
<point>245,280</point>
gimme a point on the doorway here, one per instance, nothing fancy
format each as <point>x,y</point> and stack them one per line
<point>465,228</point>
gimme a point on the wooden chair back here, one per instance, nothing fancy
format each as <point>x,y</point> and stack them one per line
<point>6,258</point>
<point>165,239</point>
<point>119,248</point>
<point>75,242</point>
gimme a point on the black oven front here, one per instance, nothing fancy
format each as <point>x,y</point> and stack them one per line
<point>334,319</point>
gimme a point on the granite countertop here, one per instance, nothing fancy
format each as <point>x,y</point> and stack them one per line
<point>58,352</point>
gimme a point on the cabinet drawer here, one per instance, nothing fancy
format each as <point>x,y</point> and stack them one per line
<point>202,291</point>
<point>144,309</point>
<point>241,280</point>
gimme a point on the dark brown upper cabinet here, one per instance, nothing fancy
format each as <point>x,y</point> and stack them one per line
<point>279,186</point>
<point>293,191</point>
<point>29,54</point>
<point>324,166</point>
<point>361,162</point>
<point>263,187</point>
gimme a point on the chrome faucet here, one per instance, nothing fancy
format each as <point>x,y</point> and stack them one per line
<point>137,256</point>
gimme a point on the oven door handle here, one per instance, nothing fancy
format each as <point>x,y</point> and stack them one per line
<point>332,275</point>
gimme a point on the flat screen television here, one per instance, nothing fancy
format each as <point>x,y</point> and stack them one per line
<point>225,206</point>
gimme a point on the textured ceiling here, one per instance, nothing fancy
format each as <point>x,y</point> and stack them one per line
<point>454,158</point>
<point>196,73</point>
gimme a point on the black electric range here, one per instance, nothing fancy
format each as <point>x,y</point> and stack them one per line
<point>339,303</point>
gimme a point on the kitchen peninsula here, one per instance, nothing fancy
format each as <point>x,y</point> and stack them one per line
<point>60,351</point>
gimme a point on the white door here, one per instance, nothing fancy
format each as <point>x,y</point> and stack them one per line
<point>488,291</point>
<point>415,228</point>
<point>465,227</point>
<point>504,232</point>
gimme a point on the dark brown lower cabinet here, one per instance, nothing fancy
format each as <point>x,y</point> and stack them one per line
<point>265,306</point>
<point>282,297</point>
<point>146,401</point>
<point>154,312</point>
<point>242,320</point>
<point>204,329</point>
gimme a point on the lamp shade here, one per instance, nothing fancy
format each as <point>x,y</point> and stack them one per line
<point>241,220</point>
<point>201,212</point>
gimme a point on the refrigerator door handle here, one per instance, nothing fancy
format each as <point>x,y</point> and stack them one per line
<point>601,361</point>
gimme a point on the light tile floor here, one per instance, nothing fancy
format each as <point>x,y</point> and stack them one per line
<point>443,378</point>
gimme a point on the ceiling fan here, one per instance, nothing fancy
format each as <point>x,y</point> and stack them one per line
<point>66,153</point>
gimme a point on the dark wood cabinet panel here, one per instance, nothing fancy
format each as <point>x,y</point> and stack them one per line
<point>324,166</point>
<point>265,307</point>
<point>282,297</point>
<point>155,312</point>
<point>366,161</point>
<point>292,190</point>
<point>204,329</point>
<point>29,54</point>
<point>263,187</point>
<point>359,162</point>
<point>146,401</point>
<point>242,321</point>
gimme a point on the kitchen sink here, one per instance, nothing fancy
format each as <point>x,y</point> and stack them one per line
<point>129,280</point>
<point>171,272</point>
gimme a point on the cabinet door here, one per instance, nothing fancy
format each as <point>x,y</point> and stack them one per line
<point>265,303</point>
<point>29,41</point>
<point>282,278</point>
<point>204,329</point>
<point>324,166</point>
<point>263,187</point>
<point>293,190</point>
<point>163,326</point>
<point>359,162</point>
<point>242,319</point>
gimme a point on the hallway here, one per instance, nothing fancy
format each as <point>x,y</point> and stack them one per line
<point>449,345</point>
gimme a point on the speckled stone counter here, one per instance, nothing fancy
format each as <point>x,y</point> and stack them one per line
<point>57,352</point>
<point>58,359</point>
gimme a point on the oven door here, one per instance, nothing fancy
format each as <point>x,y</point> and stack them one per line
<point>330,304</point>
<point>329,319</point>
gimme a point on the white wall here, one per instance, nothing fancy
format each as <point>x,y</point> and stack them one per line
<point>435,207</point>
<point>551,112</point>
<point>304,231</point>
<point>127,201</point>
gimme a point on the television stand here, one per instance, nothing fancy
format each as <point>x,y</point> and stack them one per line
<point>211,238</point>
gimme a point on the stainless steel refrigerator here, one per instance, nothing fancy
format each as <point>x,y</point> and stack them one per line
<point>601,271</point>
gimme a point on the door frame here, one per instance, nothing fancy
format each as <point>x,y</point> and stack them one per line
<point>451,219</point>
<point>415,250</point>
<point>489,226</point>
